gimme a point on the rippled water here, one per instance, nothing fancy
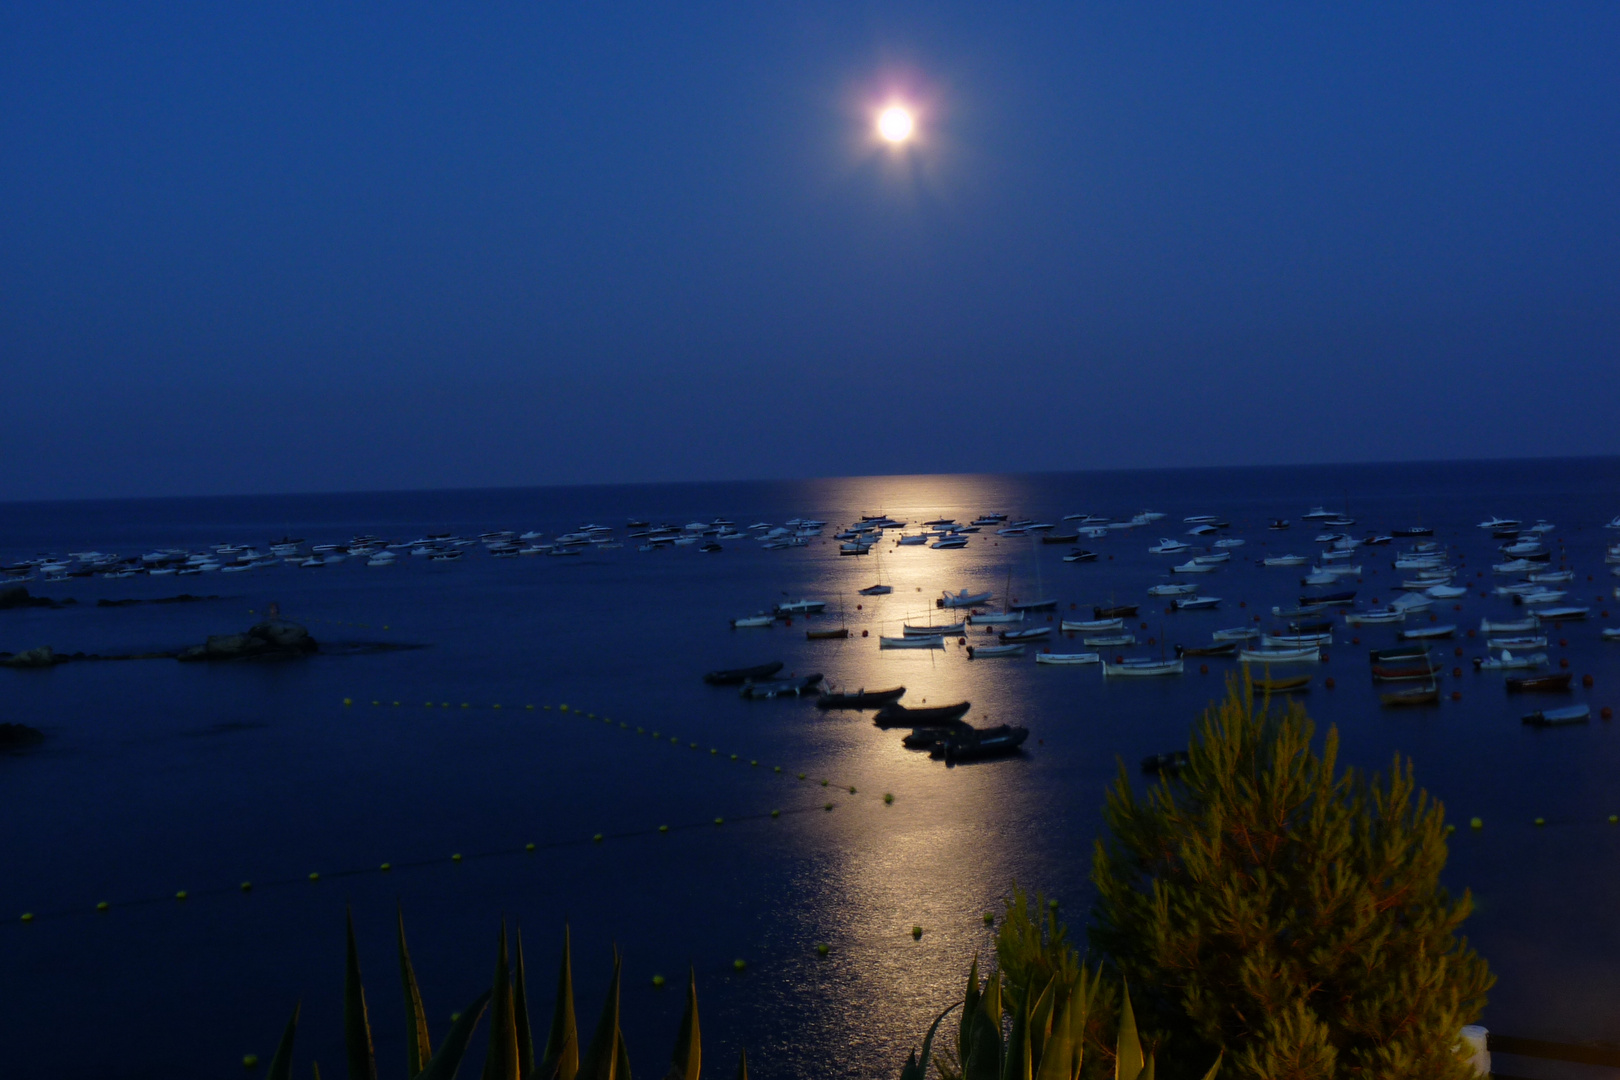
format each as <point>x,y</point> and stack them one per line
<point>159,776</point>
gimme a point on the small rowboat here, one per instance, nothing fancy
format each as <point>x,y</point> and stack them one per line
<point>1033,605</point>
<point>1527,683</point>
<point>1286,685</point>
<point>895,715</point>
<point>943,630</point>
<point>1375,616</point>
<point>985,652</point>
<point>1327,599</point>
<point>1418,695</point>
<point>1381,673</point>
<point>1142,666</point>
<point>1172,590</point>
<point>1068,658</point>
<point>1310,655</point>
<point>977,745</point>
<point>801,607</point>
<point>931,642</point>
<point>1523,641</point>
<point>1561,614</point>
<point>1506,626</point>
<point>1285,560</point>
<point>961,599</point>
<point>1118,611</point>
<point>1080,555</point>
<point>1573,714</point>
<point>1400,652</point>
<point>1195,603</point>
<point>1421,632</point>
<point>1226,648</point>
<point>1236,633</point>
<point>1084,626</point>
<point>752,621</point>
<point>775,688</point>
<point>1034,633</point>
<point>1611,634</point>
<point>1108,640</point>
<point>1508,661</point>
<point>827,635</point>
<point>738,676</point>
<point>860,699</point>
<point>1295,641</point>
<point>995,618</point>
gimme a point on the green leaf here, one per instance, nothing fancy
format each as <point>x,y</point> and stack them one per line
<point>915,1069</point>
<point>562,1043</point>
<point>356,1025</point>
<point>1147,1070</point>
<point>601,1058</point>
<point>621,1060</point>
<point>1016,1063</point>
<point>281,1064</point>
<point>1040,1023</point>
<point>742,1066</point>
<point>970,1009</point>
<point>1215,1068</point>
<point>418,1049</point>
<point>520,1012</point>
<point>688,1058</point>
<point>500,1061</point>
<point>448,1059</point>
<point>1128,1063</point>
<point>984,1057</point>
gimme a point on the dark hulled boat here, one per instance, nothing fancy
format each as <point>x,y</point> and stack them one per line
<point>1518,684</point>
<point>860,699</point>
<point>896,715</point>
<point>738,676</point>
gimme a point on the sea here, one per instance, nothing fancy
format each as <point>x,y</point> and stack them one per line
<point>529,742</point>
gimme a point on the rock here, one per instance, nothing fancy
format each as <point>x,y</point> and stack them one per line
<point>15,736</point>
<point>272,639</point>
<point>41,657</point>
<point>16,596</point>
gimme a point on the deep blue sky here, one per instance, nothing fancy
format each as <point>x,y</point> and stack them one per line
<point>282,247</point>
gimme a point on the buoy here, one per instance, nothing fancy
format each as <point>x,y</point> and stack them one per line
<point>181,895</point>
<point>1450,828</point>
<point>528,847</point>
<point>250,1061</point>
<point>103,906</point>
<point>1456,695</point>
<point>888,796</point>
<point>661,828</point>
<point>595,839</point>
<point>733,757</point>
<point>314,875</point>
<point>1475,823</point>
<point>247,886</point>
<point>456,857</point>
<point>776,813</point>
<point>28,916</point>
<point>801,776</point>
<point>739,964</point>
<point>1457,651</point>
<point>658,980</point>
<point>1563,661</point>
<point>1203,669</point>
<point>1152,641</point>
<point>1456,673</point>
<point>348,701</point>
<point>719,821</point>
<point>1586,681</point>
<point>1540,821</point>
<point>822,949</point>
<point>1563,643</point>
<point>1606,713</point>
<point>1470,633</point>
<point>1144,626</point>
<point>989,918</point>
<point>916,933</point>
<point>1243,603</point>
<point>1614,819</point>
<point>385,867</point>
<point>777,768</point>
<point>1328,682</point>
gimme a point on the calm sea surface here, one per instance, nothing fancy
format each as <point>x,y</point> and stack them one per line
<point>158,776</point>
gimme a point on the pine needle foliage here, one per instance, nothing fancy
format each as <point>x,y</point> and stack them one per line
<point>1265,904</point>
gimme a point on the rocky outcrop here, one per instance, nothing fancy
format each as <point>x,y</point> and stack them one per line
<point>272,639</point>
<point>183,598</point>
<point>17,596</point>
<point>41,657</point>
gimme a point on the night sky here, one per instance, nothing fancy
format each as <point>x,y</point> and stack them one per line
<point>281,247</point>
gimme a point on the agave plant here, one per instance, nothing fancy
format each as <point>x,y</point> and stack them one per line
<point>511,1053</point>
<point>1046,1039</point>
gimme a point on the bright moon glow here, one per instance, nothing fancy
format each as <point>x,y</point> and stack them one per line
<point>895,124</point>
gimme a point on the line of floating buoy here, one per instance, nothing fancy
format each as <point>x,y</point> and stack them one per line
<point>456,858</point>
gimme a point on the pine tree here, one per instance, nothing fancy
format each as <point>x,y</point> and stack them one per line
<point>1264,903</point>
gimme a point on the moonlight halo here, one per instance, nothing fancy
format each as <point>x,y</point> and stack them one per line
<point>895,124</point>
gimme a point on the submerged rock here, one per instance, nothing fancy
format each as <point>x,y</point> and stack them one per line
<point>42,657</point>
<point>15,736</point>
<point>272,639</point>
<point>17,596</point>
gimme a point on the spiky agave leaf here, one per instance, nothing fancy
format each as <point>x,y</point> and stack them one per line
<point>1057,1052</point>
<point>561,1061</point>
<point>742,1066</point>
<point>418,1048</point>
<point>1016,1062</point>
<point>520,1013</point>
<point>281,1064</point>
<point>1147,1070</point>
<point>448,1059</point>
<point>601,1058</point>
<point>356,1024</point>
<point>687,1061</point>
<point>970,1009</point>
<point>500,1061</point>
<point>1040,1023</point>
<point>1215,1068</point>
<point>915,1069</point>
<point>1128,1062</point>
<point>984,1056</point>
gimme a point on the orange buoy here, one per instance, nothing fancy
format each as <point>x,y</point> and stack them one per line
<point>1563,643</point>
<point>1606,712</point>
<point>863,633</point>
<point>1456,695</point>
<point>1151,641</point>
<point>1563,661</point>
<point>1355,641</point>
<point>1203,669</point>
<point>1470,633</point>
<point>1456,673</point>
<point>1328,682</point>
<point>1586,681</point>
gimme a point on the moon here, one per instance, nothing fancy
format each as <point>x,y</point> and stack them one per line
<point>895,124</point>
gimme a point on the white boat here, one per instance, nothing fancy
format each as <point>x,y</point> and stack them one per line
<point>1213,560</point>
<point>1318,579</point>
<point>950,543</point>
<point>1148,517</point>
<point>1236,633</point>
<point>1193,567</point>
<point>237,568</point>
<point>1068,658</point>
<point>1419,562</point>
<point>911,642</point>
<point>1172,590</point>
<point>1142,666</point>
<point>375,560</point>
<point>953,630</point>
<point>1569,714</point>
<point>1311,655</point>
<point>1229,542</point>
<point>1542,527</point>
<point>982,652</point>
<point>1500,523</point>
<point>1552,577</point>
<point>1199,519</point>
<point>1419,633</point>
<point>995,618</point>
<point>1561,614</point>
<point>1195,603</point>
<point>801,607</point>
<point>1086,626</point>
<point>1541,595</point>
<point>1506,626</point>
<point>1516,566</point>
<point>1108,641</point>
<point>1521,641</point>
<point>1319,513</point>
<point>1611,634</point>
<point>1445,592</point>
<point>1201,530</point>
<point>1374,616</point>
<point>762,619</point>
<point>1508,662</point>
<point>1338,571</point>
<point>962,599</point>
<point>1295,641</point>
<point>1034,633</point>
<point>1285,560</point>
<point>1167,546</point>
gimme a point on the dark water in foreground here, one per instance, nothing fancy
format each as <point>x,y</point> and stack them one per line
<point>159,776</point>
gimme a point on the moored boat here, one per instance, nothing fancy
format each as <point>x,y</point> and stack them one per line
<point>984,652</point>
<point>1311,655</point>
<point>737,676</point>
<point>1418,695</point>
<point>931,642</point>
<point>897,715</point>
<point>1571,714</point>
<point>1143,666</point>
<point>1287,685</point>
<point>1553,683</point>
<point>775,688</point>
<point>1068,658</point>
<point>977,745</point>
<point>859,699</point>
<point>1228,648</point>
<point>1417,633</point>
<point>1086,626</point>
